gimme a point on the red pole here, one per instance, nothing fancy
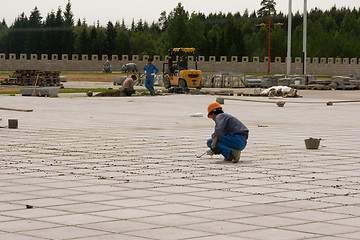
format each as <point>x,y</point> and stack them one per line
<point>269,42</point>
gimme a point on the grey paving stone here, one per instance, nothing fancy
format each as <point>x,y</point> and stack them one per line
<point>323,228</point>
<point>33,213</point>
<point>170,233</point>
<point>24,225</point>
<point>276,234</point>
<point>314,215</point>
<point>355,222</point>
<point>66,232</point>
<point>75,219</point>
<point>354,235</point>
<point>174,208</point>
<point>107,168</point>
<point>113,237</point>
<point>221,227</point>
<point>220,214</point>
<point>15,236</point>
<point>172,220</point>
<point>270,221</point>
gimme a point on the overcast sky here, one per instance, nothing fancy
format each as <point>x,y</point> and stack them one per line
<point>149,10</point>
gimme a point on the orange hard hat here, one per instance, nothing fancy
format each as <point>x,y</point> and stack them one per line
<point>212,107</point>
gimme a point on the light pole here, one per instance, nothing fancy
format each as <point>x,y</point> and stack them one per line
<point>288,61</point>
<point>269,41</point>
<point>304,37</point>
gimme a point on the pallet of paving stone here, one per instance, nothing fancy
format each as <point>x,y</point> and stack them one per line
<point>36,78</point>
<point>252,95</point>
<point>311,87</point>
<point>8,81</point>
<point>225,93</point>
<point>348,87</point>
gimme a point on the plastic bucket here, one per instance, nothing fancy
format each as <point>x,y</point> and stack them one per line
<point>13,123</point>
<point>312,143</point>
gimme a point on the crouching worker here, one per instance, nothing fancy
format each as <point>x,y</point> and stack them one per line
<point>230,135</point>
<point>128,85</point>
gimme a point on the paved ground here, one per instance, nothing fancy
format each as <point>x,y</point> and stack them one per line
<point>126,168</point>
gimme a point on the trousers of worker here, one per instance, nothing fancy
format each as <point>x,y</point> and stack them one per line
<point>149,83</point>
<point>227,143</point>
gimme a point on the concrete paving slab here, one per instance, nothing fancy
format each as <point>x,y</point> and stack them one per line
<point>323,228</point>
<point>66,232</point>
<point>126,168</point>
<point>15,236</point>
<point>276,234</point>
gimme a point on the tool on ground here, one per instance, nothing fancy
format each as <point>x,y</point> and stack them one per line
<point>36,80</point>
<point>15,109</point>
<point>207,152</point>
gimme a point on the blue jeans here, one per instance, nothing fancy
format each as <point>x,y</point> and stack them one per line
<point>149,84</point>
<point>229,142</point>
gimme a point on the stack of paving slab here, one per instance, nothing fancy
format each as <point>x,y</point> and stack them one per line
<point>223,80</point>
<point>271,80</point>
<point>35,82</point>
<point>252,81</point>
<point>36,77</point>
<point>344,83</point>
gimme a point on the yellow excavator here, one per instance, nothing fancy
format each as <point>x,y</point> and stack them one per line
<point>176,71</point>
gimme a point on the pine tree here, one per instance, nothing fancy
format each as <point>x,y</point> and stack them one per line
<point>110,38</point>
<point>268,6</point>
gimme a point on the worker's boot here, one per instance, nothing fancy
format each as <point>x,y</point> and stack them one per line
<point>235,155</point>
<point>230,158</point>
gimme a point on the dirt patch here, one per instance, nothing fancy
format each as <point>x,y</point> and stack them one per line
<point>92,77</point>
<point>9,89</point>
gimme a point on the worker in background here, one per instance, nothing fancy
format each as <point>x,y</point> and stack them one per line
<point>128,85</point>
<point>230,135</point>
<point>150,71</point>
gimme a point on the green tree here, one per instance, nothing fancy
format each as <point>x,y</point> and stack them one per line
<point>34,37</point>
<point>68,37</point>
<point>332,33</point>
<point>177,32</point>
<point>268,6</point>
<point>110,38</point>
<point>82,41</point>
<point>49,44</point>
<point>92,39</point>
<point>58,46</point>
<point>233,38</point>
<point>196,31</point>
<point>122,43</point>
<point>17,35</point>
<point>100,42</point>
<point>3,36</point>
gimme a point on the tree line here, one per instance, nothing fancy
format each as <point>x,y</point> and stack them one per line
<point>331,33</point>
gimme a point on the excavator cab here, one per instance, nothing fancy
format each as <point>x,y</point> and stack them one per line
<point>176,69</point>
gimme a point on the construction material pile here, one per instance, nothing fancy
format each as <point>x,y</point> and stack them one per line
<point>345,83</point>
<point>33,78</point>
<point>280,91</point>
<point>223,80</point>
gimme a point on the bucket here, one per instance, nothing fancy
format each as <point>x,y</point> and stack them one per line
<point>280,104</point>
<point>312,143</point>
<point>220,100</point>
<point>13,123</point>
